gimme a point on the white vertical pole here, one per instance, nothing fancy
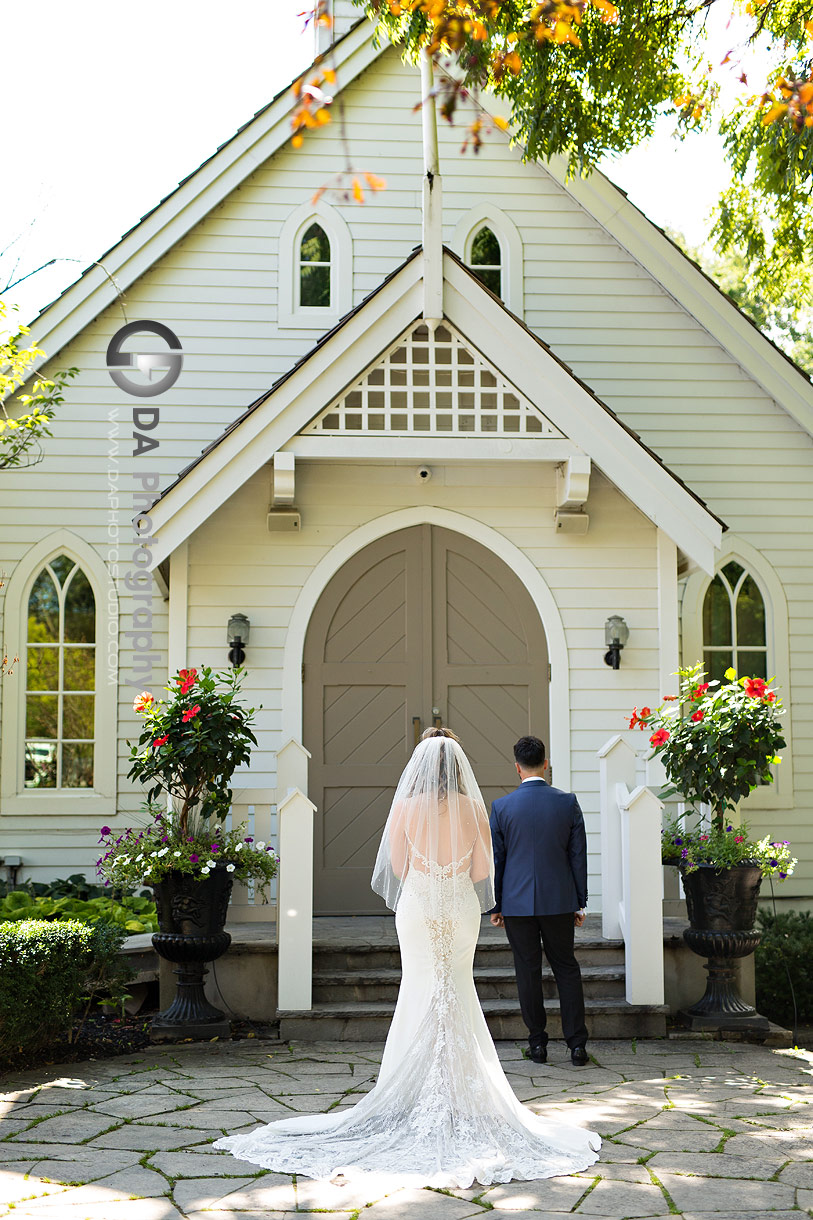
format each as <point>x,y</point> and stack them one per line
<point>432,227</point>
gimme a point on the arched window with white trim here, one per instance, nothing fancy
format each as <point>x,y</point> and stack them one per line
<point>59,717</point>
<point>739,618</point>
<point>315,284</point>
<point>734,624</point>
<point>314,268</point>
<point>60,678</point>
<point>486,259</point>
<point>489,244</point>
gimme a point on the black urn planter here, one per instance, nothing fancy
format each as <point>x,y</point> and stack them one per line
<point>191,915</point>
<point>722,907</point>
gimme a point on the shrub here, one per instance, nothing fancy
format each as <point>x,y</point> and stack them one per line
<point>43,970</point>
<point>787,940</point>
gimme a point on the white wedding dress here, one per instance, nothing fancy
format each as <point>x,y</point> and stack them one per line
<point>442,1112</point>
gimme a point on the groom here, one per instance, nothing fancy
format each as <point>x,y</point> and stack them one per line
<point>540,884</point>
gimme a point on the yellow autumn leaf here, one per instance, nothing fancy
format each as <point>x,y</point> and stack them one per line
<point>730,674</point>
<point>296,140</point>
<point>358,193</point>
<point>330,76</point>
<point>775,112</point>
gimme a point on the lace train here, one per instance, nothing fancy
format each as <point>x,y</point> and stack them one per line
<point>442,1113</point>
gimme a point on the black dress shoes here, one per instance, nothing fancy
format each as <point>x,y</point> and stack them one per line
<point>538,1054</point>
<point>579,1056</point>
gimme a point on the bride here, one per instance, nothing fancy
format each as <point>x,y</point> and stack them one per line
<point>442,1112</point>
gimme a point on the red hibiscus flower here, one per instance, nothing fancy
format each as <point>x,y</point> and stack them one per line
<point>190,713</point>
<point>187,679</point>
<point>645,712</point>
<point>698,716</point>
<point>739,838</point>
<point>142,701</point>
<point>634,719</point>
<point>159,741</point>
<point>770,696</point>
<point>659,737</point>
<point>700,690</point>
<point>755,688</point>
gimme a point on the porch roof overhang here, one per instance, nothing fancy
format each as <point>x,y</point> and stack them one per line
<point>274,421</point>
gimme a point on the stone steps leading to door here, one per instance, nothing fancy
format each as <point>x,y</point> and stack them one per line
<point>381,983</point>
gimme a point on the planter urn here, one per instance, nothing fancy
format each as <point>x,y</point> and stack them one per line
<point>722,907</point>
<point>191,916</point>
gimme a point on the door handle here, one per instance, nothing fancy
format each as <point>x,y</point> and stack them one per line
<point>416,729</point>
<point>437,719</point>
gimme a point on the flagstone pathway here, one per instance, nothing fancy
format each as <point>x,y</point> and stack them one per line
<point>699,1129</point>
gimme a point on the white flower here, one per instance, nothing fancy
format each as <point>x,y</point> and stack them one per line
<point>204,872</point>
<point>123,860</point>
<point>210,863</point>
<point>239,847</point>
<point>176,853</point>
<point>163,851</point>
<point>153,854</point>
<point>260,844</point>
<point>229,868</point>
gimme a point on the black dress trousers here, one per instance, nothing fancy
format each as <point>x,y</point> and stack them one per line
<point>527,936</point>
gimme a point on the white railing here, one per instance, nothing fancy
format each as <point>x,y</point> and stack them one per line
<point>256,808</point>
<point>631,870</point>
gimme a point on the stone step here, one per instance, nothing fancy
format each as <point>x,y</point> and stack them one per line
<point>361,1021</point>
<point>493,982</point>
<point>330,957</point>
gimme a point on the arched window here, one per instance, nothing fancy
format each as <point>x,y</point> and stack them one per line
<point>734,625</point>
<point>60,674</point>
<point>314,268</point>
<point>486,259</point>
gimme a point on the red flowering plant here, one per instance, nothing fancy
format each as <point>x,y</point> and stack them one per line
<point>718,741</point>
<point>188,750</point>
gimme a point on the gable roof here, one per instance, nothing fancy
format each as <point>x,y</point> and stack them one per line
<point>360,342</point>
<point>197,194</point>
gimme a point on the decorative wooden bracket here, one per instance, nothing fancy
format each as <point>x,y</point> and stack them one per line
<point>282,515</point>
<point>572,488</point>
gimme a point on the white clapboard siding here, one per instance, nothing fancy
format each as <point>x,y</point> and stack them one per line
<point>597,307</point>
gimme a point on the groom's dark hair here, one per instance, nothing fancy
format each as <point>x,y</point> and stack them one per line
<point>530,753</point>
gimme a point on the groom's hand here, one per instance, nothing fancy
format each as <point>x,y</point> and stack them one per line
<point>497,920</point>
<point>578,918</point>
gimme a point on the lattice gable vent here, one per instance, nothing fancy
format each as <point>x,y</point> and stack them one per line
<point>432,384</point>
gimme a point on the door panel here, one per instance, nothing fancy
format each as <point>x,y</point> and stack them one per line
<point>423,618</point>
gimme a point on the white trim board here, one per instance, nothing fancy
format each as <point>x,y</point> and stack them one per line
<point>484,323</point>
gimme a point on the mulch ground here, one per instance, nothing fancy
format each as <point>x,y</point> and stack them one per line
<point>103,1037</point>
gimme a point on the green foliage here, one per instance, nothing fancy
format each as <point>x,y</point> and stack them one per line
<point>110,972</point>
<point>787,941</point>
<point>22,431</point>
<point>130,914</point>
<point>192,744</point>
<point>582,83</point>
<point>725,847</point>
<point>719,741</point>
<point>43,972</point>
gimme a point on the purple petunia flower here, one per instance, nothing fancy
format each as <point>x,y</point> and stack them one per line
<point>214,847</point>
<point>678,842</point>
<point>783,876</point>
<point>248,839</point>
<point>773,863</point>
<point>194,858</point>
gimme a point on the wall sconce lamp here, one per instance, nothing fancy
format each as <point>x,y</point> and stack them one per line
<point>616,634</point>
<point>237,634</point>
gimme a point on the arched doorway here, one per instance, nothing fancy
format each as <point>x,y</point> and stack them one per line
<point>421,624</point>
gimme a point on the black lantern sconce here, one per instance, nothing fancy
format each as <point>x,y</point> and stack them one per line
<point>616,634</point>
<point>237,634</point>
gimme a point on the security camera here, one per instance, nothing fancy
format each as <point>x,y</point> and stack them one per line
<point>423,474</point>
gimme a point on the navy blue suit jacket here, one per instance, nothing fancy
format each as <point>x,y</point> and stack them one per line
<point>540,851</point>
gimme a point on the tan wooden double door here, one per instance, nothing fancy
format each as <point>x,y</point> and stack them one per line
<point>423,625</point>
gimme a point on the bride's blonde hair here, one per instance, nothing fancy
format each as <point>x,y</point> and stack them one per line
<point>439,731</point>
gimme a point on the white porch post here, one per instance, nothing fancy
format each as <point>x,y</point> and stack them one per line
<point>616,766</point>
<point>178,608</point>
<point>295,882</point>
<point>668,623</point>
<point>432,230</point>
